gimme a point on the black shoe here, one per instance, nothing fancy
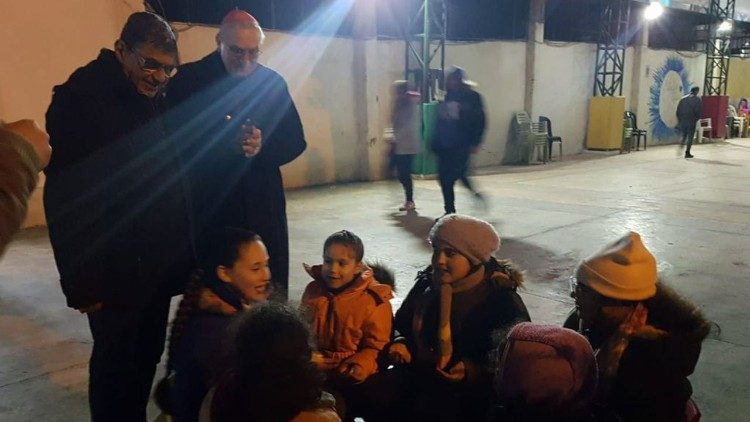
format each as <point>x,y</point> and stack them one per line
<point>688,155</point>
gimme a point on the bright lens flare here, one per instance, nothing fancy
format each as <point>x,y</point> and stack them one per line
<point>653,10</point>
<point>725,26</point>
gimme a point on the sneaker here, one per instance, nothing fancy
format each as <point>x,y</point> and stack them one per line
<point>688,155</point>
<point>408,206</point>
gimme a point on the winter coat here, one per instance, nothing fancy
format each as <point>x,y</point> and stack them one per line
<point>197,363</point>
<point>19,169</point>
<point>208,107</point>
<point>479,317</point>
<point>407,128</point>
<point>689,110</point>
<point>114,196</point>
<point>651,382</point>
<point>324,411</point>
<point>476,315</point>
<point>461,121</point>
<point>353,325</point>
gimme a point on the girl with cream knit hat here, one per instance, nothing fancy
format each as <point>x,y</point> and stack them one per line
<point>647,337</point>
<point>445,326</point>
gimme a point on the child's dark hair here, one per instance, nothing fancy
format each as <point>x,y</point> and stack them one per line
<point>346,238</point>
<point>271,376</point>
<point>223,249</point>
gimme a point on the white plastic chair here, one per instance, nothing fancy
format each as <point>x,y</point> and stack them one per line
<point>704,125</point>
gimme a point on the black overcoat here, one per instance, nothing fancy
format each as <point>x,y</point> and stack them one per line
<point>114,197</point>
<point>208,108</point>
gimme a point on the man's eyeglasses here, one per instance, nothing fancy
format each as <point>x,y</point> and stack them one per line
<point>150,65</point>
<point>254,53</point>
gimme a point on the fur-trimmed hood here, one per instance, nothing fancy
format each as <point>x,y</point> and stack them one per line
<point>503,273</point>
<point>676,316</point>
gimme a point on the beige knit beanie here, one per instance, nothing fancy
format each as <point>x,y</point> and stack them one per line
<point>623,270</point>
<point>473,238</point>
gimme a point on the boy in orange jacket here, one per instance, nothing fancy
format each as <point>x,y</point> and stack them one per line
<point>350,313</point>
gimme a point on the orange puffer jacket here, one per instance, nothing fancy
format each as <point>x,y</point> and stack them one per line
<point>354,325</point>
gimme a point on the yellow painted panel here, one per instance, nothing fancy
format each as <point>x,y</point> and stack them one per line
<point>605,123</point>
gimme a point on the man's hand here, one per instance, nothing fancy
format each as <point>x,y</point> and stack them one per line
<point>455,374</point>
<point>399,353</point>
<point>251,141</point>
<point>91,309</point>
<point>34,135</point>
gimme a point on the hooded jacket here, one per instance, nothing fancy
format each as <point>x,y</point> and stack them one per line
<point>202,345</point>
<point>476,315</point>
<point>19,170</point>
<point>114,197</point>
<point>353,325</point>
<point>651,382</point>
<point>689,110</point>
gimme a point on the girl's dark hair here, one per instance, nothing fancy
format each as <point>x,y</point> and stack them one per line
<point>224,249</point>
<point>346,238</point>
<point>149,28</point>
<point>271,377</point>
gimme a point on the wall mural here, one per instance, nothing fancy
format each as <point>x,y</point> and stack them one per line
<point>670,83</point>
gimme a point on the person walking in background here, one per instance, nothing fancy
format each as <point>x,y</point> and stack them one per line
<point>460,127</point>
<point>407,127</point>
<point>688,114</point>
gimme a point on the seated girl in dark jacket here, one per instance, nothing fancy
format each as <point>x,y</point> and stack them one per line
<point>235,276</point>
<point>648,338</point>
<point>445,326</point>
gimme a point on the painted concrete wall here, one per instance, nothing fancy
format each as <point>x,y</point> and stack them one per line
<point>341,86</point>
<point>41,46</point>
<point>564,82</point>
<point>499,70</point>
<point>665,77</point>
<point>738,85</point>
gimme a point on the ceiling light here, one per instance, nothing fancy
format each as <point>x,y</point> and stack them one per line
<point>653,10</point>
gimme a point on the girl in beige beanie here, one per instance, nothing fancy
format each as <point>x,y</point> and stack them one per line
<point>647,337</point>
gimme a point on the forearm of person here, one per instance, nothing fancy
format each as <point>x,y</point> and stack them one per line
<point>19,170</point>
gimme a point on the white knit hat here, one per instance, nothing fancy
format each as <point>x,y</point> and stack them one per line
<point>623,270</point>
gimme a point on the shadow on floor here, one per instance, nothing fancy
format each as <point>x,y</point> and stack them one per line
<point>714,162</point>
<point>415,224</point>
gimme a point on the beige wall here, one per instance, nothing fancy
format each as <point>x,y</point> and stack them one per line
<point>738,85</point>
<point>42,45</point>
<point>341,86</point>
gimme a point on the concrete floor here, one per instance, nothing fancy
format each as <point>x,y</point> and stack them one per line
<point>693,214</point>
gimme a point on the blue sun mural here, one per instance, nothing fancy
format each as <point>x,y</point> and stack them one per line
<point>670,83</point>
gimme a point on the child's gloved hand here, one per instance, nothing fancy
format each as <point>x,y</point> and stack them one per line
<point>353,371</point>
<point>399,353</point>
<point>324,363</point>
